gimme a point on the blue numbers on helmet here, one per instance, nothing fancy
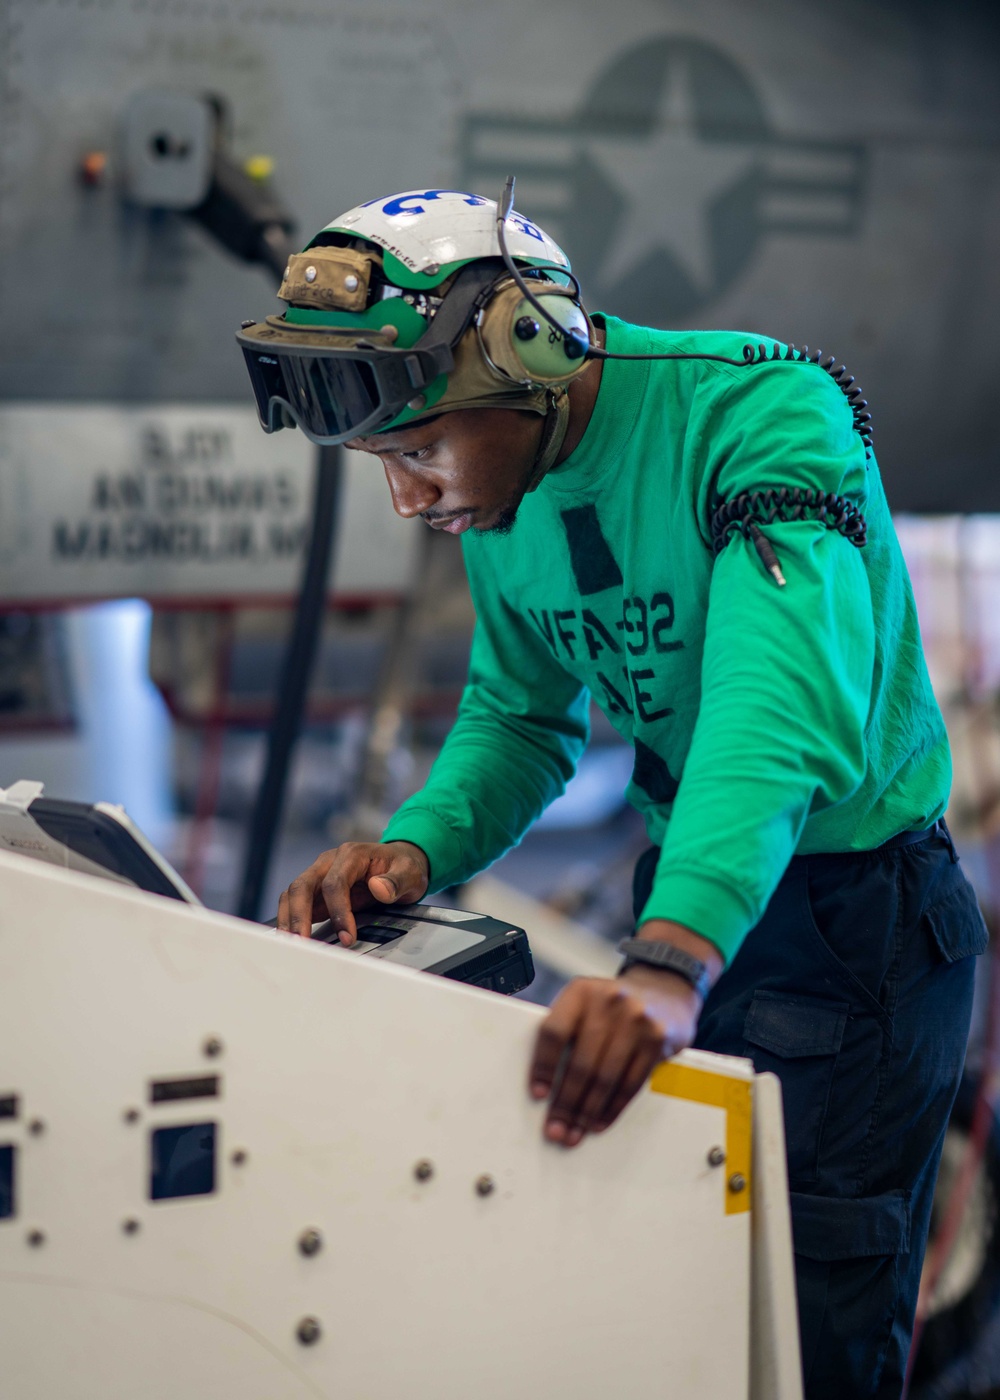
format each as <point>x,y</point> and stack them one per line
<point>526,226</point>
<point>408,203</point>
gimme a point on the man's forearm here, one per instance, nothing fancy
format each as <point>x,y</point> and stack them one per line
<point>493,778</point>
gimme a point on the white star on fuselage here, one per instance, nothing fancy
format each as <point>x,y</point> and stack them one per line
<point>669,181</point>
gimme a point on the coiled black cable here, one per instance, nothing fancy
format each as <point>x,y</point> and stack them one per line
<point>745,513</point>
<point>848,385</point>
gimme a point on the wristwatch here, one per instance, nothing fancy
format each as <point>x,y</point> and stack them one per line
<point>652,952</point>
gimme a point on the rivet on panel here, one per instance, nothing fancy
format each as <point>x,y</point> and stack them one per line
<point>485,1185</point>
<point>309,1331</point>
<point>310,1242</point>
<point>716,1156</point>
<point>737,1183</point>
<point>36,1238</point>
<point>131,1226</point>
<point>211,1046</point>
<point>36,1127</point>
<point>424,1170</point>
<point>238,1156</point>
<point>131,1115</point>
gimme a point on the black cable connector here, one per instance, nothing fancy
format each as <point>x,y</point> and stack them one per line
<point>768,557</point>
<point>745,514</point>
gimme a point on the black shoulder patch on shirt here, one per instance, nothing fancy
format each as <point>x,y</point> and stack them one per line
<point>594,566</point>
<point>652,774</point>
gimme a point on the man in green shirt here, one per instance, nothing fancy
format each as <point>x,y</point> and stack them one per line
<point>689,528</point>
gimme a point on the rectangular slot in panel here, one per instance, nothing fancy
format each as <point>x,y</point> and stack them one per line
<point>205,1086</point>
<point>182,1161</point>
<point>10,1106</point>
<point>8,1181</point>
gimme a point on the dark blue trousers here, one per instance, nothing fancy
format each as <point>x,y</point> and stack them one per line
<point>856,990</point>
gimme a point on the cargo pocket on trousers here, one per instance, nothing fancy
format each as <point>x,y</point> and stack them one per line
<point>798,1038</point>
<point>847,1274</point>
<point>957,926</point>
<point>829,1228</point>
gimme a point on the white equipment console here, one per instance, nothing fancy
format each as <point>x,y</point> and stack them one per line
<point>236,1166</point>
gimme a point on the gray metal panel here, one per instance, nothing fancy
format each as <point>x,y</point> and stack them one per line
<point>119,303</point>
<point>829,175</point>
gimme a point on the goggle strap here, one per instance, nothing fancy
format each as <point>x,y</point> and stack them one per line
<point>423,365</point>
<point>461,302</point>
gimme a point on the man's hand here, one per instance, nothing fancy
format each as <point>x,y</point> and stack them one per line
<point>357,875</point>
<point>603,1036</point>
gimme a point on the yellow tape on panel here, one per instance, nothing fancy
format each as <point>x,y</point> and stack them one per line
<point>721,1091</point>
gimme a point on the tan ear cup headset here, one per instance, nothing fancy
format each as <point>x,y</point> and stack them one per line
<point>522,354</point>
<point>510,358</point>
<point>520,347</point>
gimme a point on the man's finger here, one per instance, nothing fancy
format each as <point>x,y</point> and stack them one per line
<point>582,1068</point>
<point>396,875</point>
<point>634,1077</point>
<point>619,1052</point>
<point>383,887</point>
<point>349,870</point>
<point>554,1034</point>
<point>299,900</point>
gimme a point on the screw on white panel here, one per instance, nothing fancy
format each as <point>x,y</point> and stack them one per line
<point>737,1183</point>
<point>211,1046</point>
<point>424,1170</point>
<point>485,1185</point>
<point>309,1331</point>
<point>36,1238</point>
<point>131,1115</point>
<point>310,1242</point>
<point>716,1156</point>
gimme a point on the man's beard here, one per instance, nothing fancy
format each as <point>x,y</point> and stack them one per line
<point>508,515</point>
<point>505,520</point>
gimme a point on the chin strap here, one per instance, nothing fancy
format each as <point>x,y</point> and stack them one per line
<point>553,436</point>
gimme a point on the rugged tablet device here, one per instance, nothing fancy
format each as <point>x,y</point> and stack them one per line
<point>99,839</point>
<point>453,943</point>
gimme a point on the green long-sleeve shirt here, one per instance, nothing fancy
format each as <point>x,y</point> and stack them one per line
<point>766,721</point>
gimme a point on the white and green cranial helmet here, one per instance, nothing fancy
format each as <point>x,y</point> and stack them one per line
<point>426,235</point>
<point>415,305</point>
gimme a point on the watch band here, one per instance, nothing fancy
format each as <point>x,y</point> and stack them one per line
<point>652,952</point>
